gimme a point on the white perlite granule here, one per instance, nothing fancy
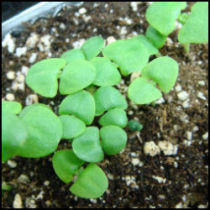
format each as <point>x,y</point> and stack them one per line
<point>150,148</point>
<point>168,148</point>
<point>9,42</point>
<point>17,203</point>
<point>10,97</point>
<point>183,95</point>
<point>10,75</point>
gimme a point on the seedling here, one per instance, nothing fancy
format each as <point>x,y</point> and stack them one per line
<point>134,125</point>
<point>195,26</point>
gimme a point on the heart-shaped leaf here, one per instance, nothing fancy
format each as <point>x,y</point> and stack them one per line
<point>129,54</point>
<point>42,76</point>
<point>91,182</point>
<point>114,117</point>
<point>92,47</point>
<point>72,55</point>
<point>87,146</point>
<point>155,37</point>
<point>14,134</point>
<point>107,98</point>
<point>11,106</point>
<point>106,72</point>
<point>113,139</point>
<point>66,163</point>
<point>80,104</point>
<point>44,131</point>
<point>163,70</point>
<point>72,126</point>
<point>195,30</point>
<point>77,75</point>
<point>147,44</point>
<point>142,91</point>
<point>162,15</point>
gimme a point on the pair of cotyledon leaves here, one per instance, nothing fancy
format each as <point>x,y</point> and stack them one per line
<point>162,19</point>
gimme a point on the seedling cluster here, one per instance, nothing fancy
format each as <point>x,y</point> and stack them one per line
<point>86,78</point>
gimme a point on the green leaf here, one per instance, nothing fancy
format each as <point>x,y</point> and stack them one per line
<point>14,135</point>
<point>195,30</point>
<point>113,139</point>
<point>164,71</point>
<point>107,98</point>
<point>42,76</point>
<point>142,91</point>
<point>92,47</point>
<point>162,15</point>
<point>72,55</point>
<point>44,131</point>
<point>134,125</point>
<point>72,126</point>
<point>65,164</point>
<point>80,104</point>
<point>129,54</point>
<point>147,44</point>
<point>11,106</point>
<point>156,38</point>
<point>76,75</point>
<point>87,146</point>
<point>91,182</point>
<point>106,72</point>
<point>114,117</point>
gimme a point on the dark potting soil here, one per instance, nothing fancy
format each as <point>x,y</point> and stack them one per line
<point>136,180</point>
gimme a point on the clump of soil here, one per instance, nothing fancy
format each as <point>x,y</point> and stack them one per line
<point>136,180</point>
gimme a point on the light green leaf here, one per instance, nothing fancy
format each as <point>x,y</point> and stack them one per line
<point>107,98</point>
<point>72,55</point>
<point>147,44</point>
<point>162,15</point>
<point>164,71</point>
<point>113,139</point>
<point>11,106</point>
<point>129,54</point>
<point>76,75</point>
<point>92,47</point>
<point>142,91</point>
<point>72,126</point>
<point>80,104</point>
<point>65,164</point>
<point>91,182</point>
<point>114,117</point>
<point>106,72</point>
<point>14,134</point>
<point>42,76</point>
<point>44,131</point>
<point>156,38</point>
<point>87,146</point>
<point>195,30</point>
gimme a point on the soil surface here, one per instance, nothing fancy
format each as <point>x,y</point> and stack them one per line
<point>136,180</point>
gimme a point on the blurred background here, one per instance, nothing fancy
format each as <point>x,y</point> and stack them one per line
<point>11,8</point>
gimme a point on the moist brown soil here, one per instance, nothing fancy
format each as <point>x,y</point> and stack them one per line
<point>185,174</point>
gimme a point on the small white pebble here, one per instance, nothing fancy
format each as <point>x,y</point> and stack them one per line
<point>24,70</point>
<point>123,30</point>
<point>23,179</point>
<point>186,104</point>
<point>201,95</point>
<point>11,163</point>
<point>183,95</point>
<point>178,88</point>
<point>62,26</point>
<point>10,97</point>
<point>82,10</point>
<point>134,6</point>
<point>110,39</point>
<point>168,148</point>
<point>159,179</point>
<point>20,51</point>
<point>17,203</point>
<point>86,18</point>
<point>11,75</point>
<point>18,86</point>
<point>79,43</point>
<point>150,148</point>
<point>179,205</point>
<point>32,58</point>
<point>9,42</point>
<point>135,161</point>
<point>46,183</point>
<point>189,135</point>
<point>160,101</point>
<point>205,136</point>
<point>20,78</point>
<point>201,83</point>
<point>196,128</point>
<point>32,40</point>
<point>31,99</point>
